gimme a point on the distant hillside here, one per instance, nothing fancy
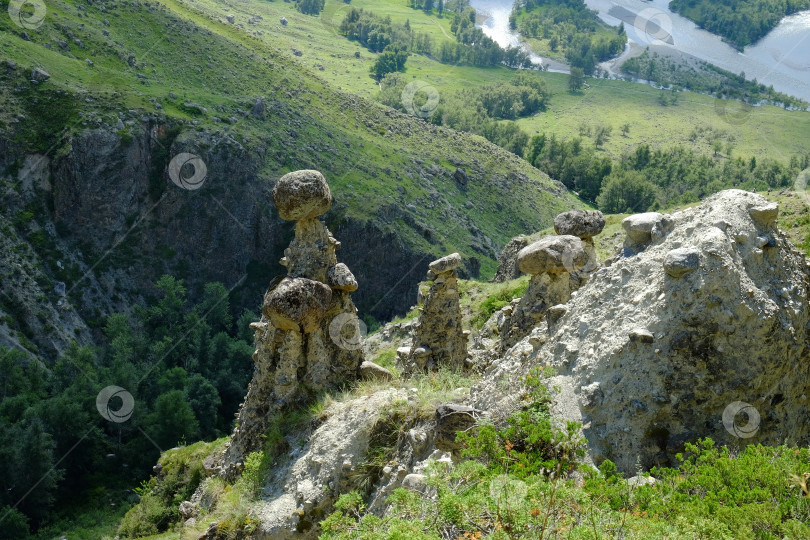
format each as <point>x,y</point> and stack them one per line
<point>125,87</point>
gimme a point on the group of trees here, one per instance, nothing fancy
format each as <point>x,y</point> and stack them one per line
<point>186,366</point>
<point>571,28</point>
<point>704,78</point>
<point>648,179</point>
<point>395,41</point>
<point>480,110</point>
<point>741,22</point>
<point>310,7</point>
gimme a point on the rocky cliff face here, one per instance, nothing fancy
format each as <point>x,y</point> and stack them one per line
<point>698,327</point>
<point>108,205</point>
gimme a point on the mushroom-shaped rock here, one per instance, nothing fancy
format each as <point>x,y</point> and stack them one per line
<point>553,255</point>
<point>639,227</point>
<point>302,195</point>
<point>445,264</point>
<point>764,215</point>
<point>580,223</point>
<point>341,278</point>
<point>297,303</point>
<point>681,261</point>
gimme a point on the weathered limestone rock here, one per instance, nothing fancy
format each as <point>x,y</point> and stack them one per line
<point>309,337</point>
<point>507,262</point>
<point>584,224</point>
<point>439,339</point>
<point>371,371</point>
<point>580,223</point>
<point>644,229</point>
<point>297,304</point>
<point>450,419</point>
<point>302,195</point>
<point>681,261</point>
<point>551,261</point>
<point>341,278</point>
<point>647,362</point>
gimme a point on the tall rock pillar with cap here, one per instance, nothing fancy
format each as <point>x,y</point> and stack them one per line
<point>550,261</point>
<point>439,339</point>
<point>308,339</point>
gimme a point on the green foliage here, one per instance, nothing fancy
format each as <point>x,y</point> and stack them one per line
<point>310,7</point>
<point>181,472</point>
<point>496,301</point>
<point>392,59</point>
<point>185,366</point>
<point>576,79</point>
<point>740,22</point>
<point>572,28</point>
<point>704,78</point>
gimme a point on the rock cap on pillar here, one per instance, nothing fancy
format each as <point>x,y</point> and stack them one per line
<point>552,255</point>
<point>297,304</point>
<point>580,223</point>
<point>302,195</point>
<point>445,264</point>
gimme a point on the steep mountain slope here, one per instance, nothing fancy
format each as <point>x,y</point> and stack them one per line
<point>127,86</point>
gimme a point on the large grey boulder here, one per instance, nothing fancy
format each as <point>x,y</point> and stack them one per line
<point>301,195</point>
<point>580,223</point>
<point>552,255</point>
<point>297,303</point>
<point>445,264</point>
<point>647,363</point>
<point>639,227</point>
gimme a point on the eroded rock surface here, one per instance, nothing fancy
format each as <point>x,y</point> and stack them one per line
<point>438,336</point>
<point>656,349</point>
<point>309,337</point>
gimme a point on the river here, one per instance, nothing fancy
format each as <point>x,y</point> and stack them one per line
<point>780,59</point>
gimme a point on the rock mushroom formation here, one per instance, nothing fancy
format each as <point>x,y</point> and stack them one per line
<point>702,333</point>
<point>584,224</point>
<point>551,261</point>
<point>309,337</point>
<point>438,337</point>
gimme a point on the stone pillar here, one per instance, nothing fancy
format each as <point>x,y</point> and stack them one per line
<point>551,261</point>
<point>309,338</point>
<point>438,337</point>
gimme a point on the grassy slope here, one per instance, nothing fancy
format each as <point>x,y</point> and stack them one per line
<point>187,48</point>
<point>761,131</point>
